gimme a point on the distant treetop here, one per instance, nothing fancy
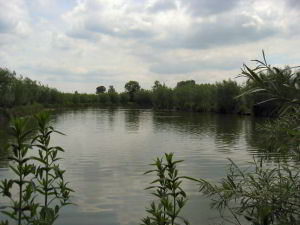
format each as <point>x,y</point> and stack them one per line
<point>100,89</point>
<point>186,82</point>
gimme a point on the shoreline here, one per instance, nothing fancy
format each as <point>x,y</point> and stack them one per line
<point>7,114</point>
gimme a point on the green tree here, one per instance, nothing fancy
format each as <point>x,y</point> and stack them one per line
<point>143,97</point>
<point>162,97</point>
<point>111,89</point>
<point>184,95</point>
<point>186,82</point>
<point>124,97</point>
<point>156,85</point>
<point>7,80</point>
<point>131,88</point>
<point>75,98</point>
<point>204,98</point>
<point>113,95</point>
<point>104,98</point>
<point>100,89</point>
<point>226,96</point>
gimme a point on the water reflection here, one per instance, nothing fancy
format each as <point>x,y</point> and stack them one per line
<point>229,129</point>
<point>256,137</point>
<point>185,123</point>
<point>132,120</point>
<point>253,133</point>
<point>112,114</point>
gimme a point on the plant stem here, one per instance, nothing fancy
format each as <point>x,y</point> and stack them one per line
<point>47,175</point>
<point>21,183</point>
<point>46,186</point>
<point>174,206</point>
<point>20,200</point>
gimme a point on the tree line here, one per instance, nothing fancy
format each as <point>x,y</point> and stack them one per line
<point>219,97</point>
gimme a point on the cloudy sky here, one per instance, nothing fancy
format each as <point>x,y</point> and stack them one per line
<point>79,45</point>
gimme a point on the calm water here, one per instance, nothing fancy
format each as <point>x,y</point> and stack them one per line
<point>108,150</point>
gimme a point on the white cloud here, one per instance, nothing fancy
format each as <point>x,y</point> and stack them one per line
<point>75,45</point>
<point>14,17</point>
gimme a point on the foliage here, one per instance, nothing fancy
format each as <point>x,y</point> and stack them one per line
<point>100,89</point>
<point>41,190</point>
<point>266,194</point>
<point>22,207</point>
<point>17,91</point>
<point>131,88</point>
<point>48,175</point>
<point>189,96</point>
<point>167,188</point>
<point>280,86</point>
<point>205,98</point>
<point>156,85</point>
<point>6,87</point>
<point>282,135</point>
<point>226,93</point>
<point>186,96</point>
<point>186,82</point>
<point>261,195</point>
<point>111,89</point>
<point>104,98</point>
<point>143,97</point>
<point>22,110</point>
<point>124,98</point>
<point>274,85</point>
<point>162,97</point>
<point>113,95</point>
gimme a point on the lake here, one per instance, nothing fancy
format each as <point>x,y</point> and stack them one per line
<point>108,150</point>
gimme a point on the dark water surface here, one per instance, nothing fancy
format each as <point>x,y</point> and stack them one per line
<point>108,150</point>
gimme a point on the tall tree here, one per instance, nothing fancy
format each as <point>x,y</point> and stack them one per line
<point>111,89</point>
<point>156,85</point>
<point>7,80</point>
<point>131,88</point>
<point>113,95</point>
